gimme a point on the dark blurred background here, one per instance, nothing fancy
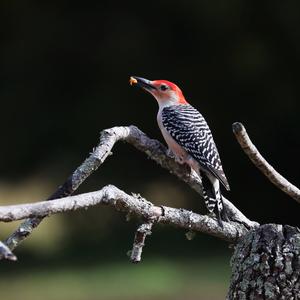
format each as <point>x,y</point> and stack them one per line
<point>64,73</point>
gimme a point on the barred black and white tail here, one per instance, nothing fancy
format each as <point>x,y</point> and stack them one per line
<point>213,199</point>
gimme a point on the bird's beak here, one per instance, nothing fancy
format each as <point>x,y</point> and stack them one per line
<point>142,82</point>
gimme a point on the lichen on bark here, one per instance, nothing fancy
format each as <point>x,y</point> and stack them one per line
<point>266,264</point>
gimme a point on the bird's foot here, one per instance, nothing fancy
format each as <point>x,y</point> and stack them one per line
<point>178,159</point>
<point>170,153</point>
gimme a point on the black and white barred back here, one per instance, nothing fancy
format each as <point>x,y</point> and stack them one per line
<point>189,129</point>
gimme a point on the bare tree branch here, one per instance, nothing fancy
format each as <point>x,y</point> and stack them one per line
<point>133,204</point>
<point>132,135</point>
<point>139,241</point>
<point>258,160</point>
<point>6,253</point>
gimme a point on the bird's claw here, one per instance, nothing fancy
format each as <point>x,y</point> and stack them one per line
<point>170,153</point>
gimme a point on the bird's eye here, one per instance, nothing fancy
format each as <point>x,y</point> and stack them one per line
<point>163,87</point>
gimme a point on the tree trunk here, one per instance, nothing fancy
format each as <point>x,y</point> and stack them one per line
<point>266,264</point>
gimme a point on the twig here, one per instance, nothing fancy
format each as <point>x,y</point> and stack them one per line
<point>134,204</point>
<point>132,135</point>
<point>6,253</point>
<point>139,241</point>
<point>258,160</point>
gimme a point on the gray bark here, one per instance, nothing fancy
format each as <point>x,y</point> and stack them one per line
<point>6,253</point>
<point>153,149</point>
<point>133,204</point>
<point>266,264</point>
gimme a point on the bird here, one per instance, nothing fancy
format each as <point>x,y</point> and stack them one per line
<point>189,139</point>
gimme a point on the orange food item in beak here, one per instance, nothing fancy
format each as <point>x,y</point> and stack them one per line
<point>132,81</point>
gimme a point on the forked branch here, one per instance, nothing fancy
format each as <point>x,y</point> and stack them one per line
<point>132,135</point>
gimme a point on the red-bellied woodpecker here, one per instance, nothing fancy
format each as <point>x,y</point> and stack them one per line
<point>189,139</point>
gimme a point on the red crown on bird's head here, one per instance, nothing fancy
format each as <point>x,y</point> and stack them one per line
<point>173,87</point>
